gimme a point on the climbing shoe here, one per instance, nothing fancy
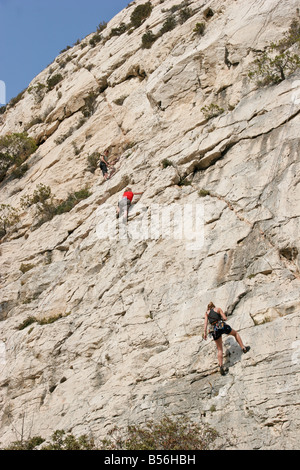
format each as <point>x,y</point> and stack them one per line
<point>223,370</point>
<point>246,349</point>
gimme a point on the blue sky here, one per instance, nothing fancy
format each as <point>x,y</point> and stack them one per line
<point>33,32</point>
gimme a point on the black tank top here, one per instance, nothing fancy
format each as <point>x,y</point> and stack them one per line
<point>213,316</point>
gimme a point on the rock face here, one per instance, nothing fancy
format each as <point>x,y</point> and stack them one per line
<point>129,306</point>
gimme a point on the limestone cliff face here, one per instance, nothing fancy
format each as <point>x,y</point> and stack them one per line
<point>127,341</point>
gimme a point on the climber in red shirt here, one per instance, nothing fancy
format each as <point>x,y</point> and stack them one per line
<point>125,202</point>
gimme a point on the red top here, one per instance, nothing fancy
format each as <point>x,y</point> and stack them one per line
<point>129,195</point>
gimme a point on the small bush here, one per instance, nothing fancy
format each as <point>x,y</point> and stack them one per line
<point>95,39</point>
<point>29,444</point>
<point>101,26</point>
<point>185,14</point>
<point>40,195</point>
<point>43,321</point>
<point>168,25</point>
<point>38,91</point>
<point>19,171</point>
<point>47,207</point>
<point>278,61</point>
<point>118,31</point>
<point>140,14</point>
<point>71,201</point>
<point>9,217</point>
<point>65,49</point>
<point>14,150</point>
<point>53,81</point>
<point>89,106</point>
<point>199,29</point>
<point>272,68</point>
<point>212,110</point>
<point>165,163</point>
<point>60,440</point>
<point>34,122</point>
<point>166,434</point>
<point>17,98</point>
<point>92,161</point>
<point>148,39</point>
<point>203,193</point>
<point>29,321</point>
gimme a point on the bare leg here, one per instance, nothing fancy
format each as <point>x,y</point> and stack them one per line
<point>238,338</point>
<point>219,345</point>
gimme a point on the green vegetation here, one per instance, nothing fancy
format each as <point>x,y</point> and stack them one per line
<point>148,39</point>
<point>17,98</point>
<point>199,29</point>
<point>40,195</point>
<point>29,444</point>
<point>53,81</point>
<point>14,150</point>
<point>166,434</point>
<point>203,192</point>
<point>29,321</point>
<point>47,207</point>
<point>89,104</point>
<point>92,161</point>
<point>62,441</point>
<point>140,14</point>
<point>101,26</point>
<point>95,39</point>
<point>72,200</point>
<point>212,110</point>
<point>9,217</point>
<point>165,163</point>
<point>118,31</point>
<point>184,14</point>
<point>38,91</point>
<point>168,25</point>
<point>280,59</point>
<point>19,171</point>
<point>43,321</point>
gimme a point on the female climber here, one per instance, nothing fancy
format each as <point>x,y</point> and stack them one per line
<point>217,318</point>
